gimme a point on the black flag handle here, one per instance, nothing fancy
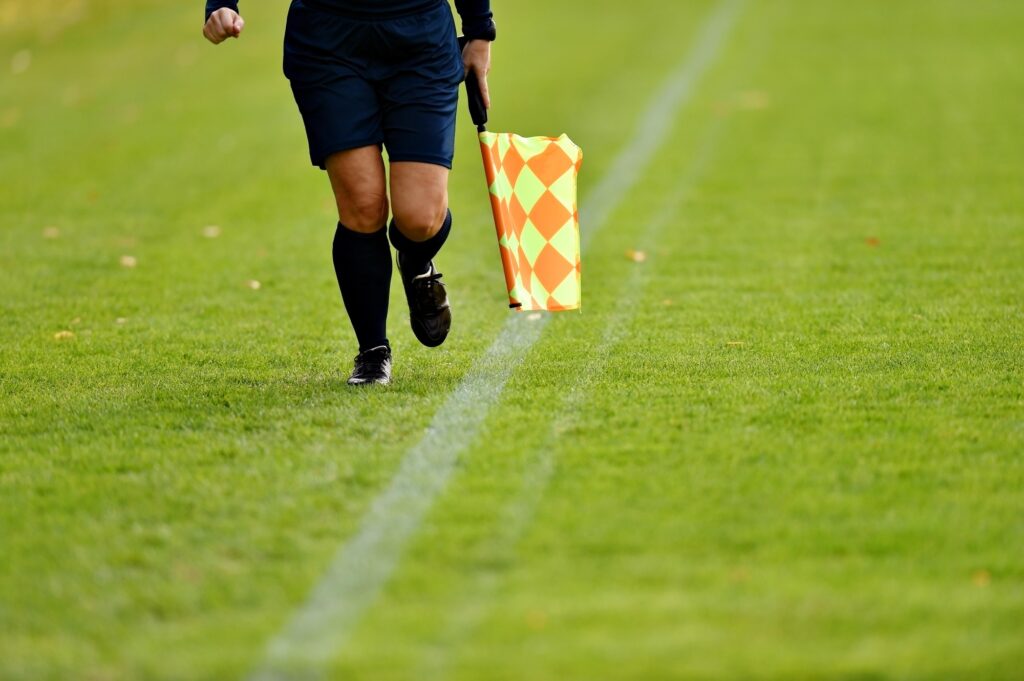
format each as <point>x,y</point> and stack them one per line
<point>477,110</point>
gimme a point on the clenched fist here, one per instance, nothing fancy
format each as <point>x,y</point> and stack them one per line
<point>223,24</point>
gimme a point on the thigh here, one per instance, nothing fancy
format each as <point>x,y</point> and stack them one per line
<point>338,115</point>
<point>419,88</point>
<point>358,180</point>
<point>328,75</point>
<point>420,126</point>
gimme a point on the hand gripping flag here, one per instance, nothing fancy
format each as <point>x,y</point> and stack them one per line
<point>532,184</point>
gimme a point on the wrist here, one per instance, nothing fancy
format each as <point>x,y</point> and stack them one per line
<point>214,5</point>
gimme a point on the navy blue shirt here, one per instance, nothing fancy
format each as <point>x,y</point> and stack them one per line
<point>477,19</point>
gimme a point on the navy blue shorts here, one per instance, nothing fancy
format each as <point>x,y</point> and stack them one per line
<point>361,82</point>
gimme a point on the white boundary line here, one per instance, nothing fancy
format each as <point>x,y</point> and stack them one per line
<point>363,565</point>
<point>517,515</point>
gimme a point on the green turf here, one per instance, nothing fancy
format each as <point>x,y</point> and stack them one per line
<point>798,453</point>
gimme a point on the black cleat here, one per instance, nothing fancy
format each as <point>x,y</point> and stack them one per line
<point>372,366</point>
<point>429,312</point>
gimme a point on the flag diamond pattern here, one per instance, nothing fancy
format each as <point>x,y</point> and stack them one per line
<point>532,183</point>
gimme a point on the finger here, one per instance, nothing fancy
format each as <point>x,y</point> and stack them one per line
<point>213,30</point>
<point>210,31</point>
<point>222,22</point>
<point>484,91</point>
<point>239,25</point>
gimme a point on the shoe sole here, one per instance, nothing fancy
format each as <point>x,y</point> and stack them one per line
<point>423,338</point>
<point>362,383</point>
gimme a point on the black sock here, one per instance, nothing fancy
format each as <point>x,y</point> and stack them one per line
<point>363,265</point>
<point>415,255</point>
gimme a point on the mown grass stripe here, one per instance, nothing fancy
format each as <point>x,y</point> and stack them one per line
<point>364,564</point>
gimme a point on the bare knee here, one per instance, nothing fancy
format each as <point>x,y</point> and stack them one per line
<point>365,212</point>
<point>421,220</point>
<point>419,198</point>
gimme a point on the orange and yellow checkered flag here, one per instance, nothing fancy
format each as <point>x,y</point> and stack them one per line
<point>532,183</point>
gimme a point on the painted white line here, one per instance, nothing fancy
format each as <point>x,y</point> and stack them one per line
<point>364,564</point>
<point>475,599</point>
<point>657,120</point>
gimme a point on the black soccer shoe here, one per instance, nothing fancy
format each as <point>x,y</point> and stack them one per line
<point>372,366</point>
<point>429,313</point>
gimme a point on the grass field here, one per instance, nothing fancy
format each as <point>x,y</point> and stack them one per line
<point>787,444</point>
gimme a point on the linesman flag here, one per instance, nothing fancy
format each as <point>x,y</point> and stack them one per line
<point>532,185</point>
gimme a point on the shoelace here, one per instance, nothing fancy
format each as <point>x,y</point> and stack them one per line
<point>431,275</point>
<point>427,281</point>
<point>371,361</point>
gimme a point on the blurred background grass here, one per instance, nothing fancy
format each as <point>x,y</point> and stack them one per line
<point>801,460</point>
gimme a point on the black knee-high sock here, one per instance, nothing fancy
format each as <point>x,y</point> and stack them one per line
<point>363,265</point>
<point>415,255</point>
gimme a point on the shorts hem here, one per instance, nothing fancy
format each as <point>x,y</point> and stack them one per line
<point>320,160</point>
<point>421,158</point>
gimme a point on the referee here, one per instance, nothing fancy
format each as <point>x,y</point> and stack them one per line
<point>368,74</point>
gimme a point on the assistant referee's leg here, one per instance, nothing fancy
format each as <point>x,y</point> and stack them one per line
<point>419,201</point>
<point>362,259</point>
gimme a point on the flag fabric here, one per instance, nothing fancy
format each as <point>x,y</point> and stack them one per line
<point>532,183</point>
